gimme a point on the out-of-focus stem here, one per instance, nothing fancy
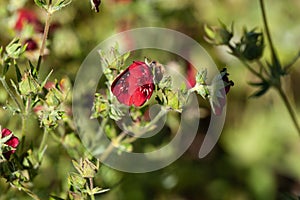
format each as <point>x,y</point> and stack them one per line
<point>44,40</point>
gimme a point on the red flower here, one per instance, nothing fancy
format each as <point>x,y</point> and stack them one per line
<point>26,16</point>
<point>12,142</point>
<point>135,85</point>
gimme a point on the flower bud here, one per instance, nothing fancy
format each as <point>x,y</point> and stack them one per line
<point>218,35</point>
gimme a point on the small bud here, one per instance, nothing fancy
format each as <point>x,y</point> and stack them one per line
<point>251,45</point>
<point>218,35</point>
<point>159,71</point>
<point>31,45</point>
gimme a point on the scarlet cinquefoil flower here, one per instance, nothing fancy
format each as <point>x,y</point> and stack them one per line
<point>12,142</point>
<point>26,16</point>
<point>135,85</point>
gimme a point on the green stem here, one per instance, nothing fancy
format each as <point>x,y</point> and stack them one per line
<point>148,127</point>
<point>30,193</point>
<point>12,96</point>
<point>111,146</point>
<point>44,40</point>
<point>91,188</point>
<point>24,117</point>
<point>273,52</point>
<point>289,107</point>
<point>117,141</point>
<point>253,70</point>
<point>44,140</point>
<point>240,57</point>
<point>262,67</point>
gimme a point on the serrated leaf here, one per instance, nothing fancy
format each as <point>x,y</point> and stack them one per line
<point>77,181</point>
<point>14,49</point>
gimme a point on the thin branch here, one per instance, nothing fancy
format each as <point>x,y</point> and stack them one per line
<point>111,146</point>
<point>44,40</point>
<point>273,52</point>
<point>10,93</point>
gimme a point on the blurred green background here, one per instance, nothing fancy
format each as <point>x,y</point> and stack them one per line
<point>258,154</point>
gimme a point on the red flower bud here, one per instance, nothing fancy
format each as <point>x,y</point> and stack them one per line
<point>31,45</point>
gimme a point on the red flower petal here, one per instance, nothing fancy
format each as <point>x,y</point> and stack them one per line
<point>191,75</point>
<point>13,142</point>
<point>134,86</point>
<point>28,16</point>
<point>5,132</point>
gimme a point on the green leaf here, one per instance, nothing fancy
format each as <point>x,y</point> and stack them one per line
<point>77,181</point>
<point>6,65</point>
<point>40,3</point>
<point>165,83</point>
<point>264,86</point>
<point>260,92</point>
<point>15,49</point>
<point>115,112</point>
<point>60,4</point>
<point>18,73</point>
<point>98,190</point>
<point>33,70</point>
<point>15,87</point>
<point>46,79</point>
<point>73,145</point>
